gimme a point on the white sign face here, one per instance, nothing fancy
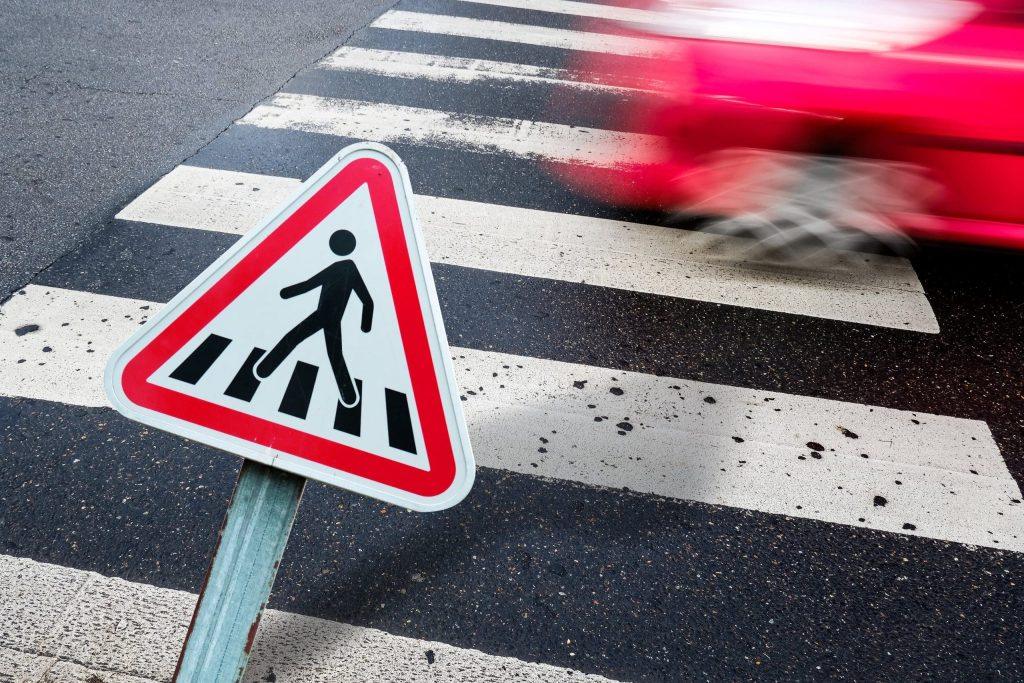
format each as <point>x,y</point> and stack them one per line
<point>315,345</point>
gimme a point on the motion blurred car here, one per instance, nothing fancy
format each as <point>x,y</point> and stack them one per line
<point>871,116</point>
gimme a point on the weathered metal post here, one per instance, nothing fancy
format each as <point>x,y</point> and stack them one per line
<point>252,541</point>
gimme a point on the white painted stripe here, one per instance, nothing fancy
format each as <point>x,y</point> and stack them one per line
<point>592,10</point>
<point>484,134</point>
<point>25,667</point>
<point>210,199</point>
<point>464,70</point>
<point>745,448</point>
<point>80,622</point>
<point>873,290</point>
<point>518,33</point>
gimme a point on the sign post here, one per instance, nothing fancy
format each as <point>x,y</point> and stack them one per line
<point>315,346</point>
<point>252,541</point>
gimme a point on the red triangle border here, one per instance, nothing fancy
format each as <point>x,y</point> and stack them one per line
<point>398,263</point>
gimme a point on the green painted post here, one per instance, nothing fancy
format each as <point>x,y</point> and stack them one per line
<point>252,540</point>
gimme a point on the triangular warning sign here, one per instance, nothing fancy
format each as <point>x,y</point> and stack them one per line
<point>315,344</point>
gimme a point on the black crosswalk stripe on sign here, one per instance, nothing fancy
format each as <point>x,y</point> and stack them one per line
<point>244,384</point>
<point>349,419</point>
<point>300,390</point>
<point>200,360</point>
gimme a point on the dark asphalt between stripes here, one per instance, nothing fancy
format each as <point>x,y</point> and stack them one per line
<point>458,46</point>
<point>513,15</point>
<point>458,174</point>
<point>525,101</point>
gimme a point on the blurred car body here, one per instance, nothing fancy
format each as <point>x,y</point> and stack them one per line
<point>926,95</point>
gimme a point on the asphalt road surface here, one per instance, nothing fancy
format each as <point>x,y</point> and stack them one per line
<point>99,99</point>
<point>690,468</point>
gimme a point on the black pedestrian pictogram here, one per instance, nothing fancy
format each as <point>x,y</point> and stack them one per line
<point>337,282</point>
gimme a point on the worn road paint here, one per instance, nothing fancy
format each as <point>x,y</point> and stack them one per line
<point>79,624</point>
<point>462,70</point>
<point>941,477</point>
<point>392,123</point>
<point>544,36</point>
<point>210,199</point>
<point>592,10</point>
<point>872,290</point>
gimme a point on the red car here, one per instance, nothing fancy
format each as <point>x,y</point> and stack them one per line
<point>902,114</point>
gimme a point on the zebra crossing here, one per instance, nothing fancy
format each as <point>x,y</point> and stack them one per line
<point>673,444</point>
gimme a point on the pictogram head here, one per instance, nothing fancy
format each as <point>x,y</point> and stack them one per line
<point>343,242</point>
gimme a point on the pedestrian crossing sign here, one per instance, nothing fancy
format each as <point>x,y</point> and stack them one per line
<point>315,344</point>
